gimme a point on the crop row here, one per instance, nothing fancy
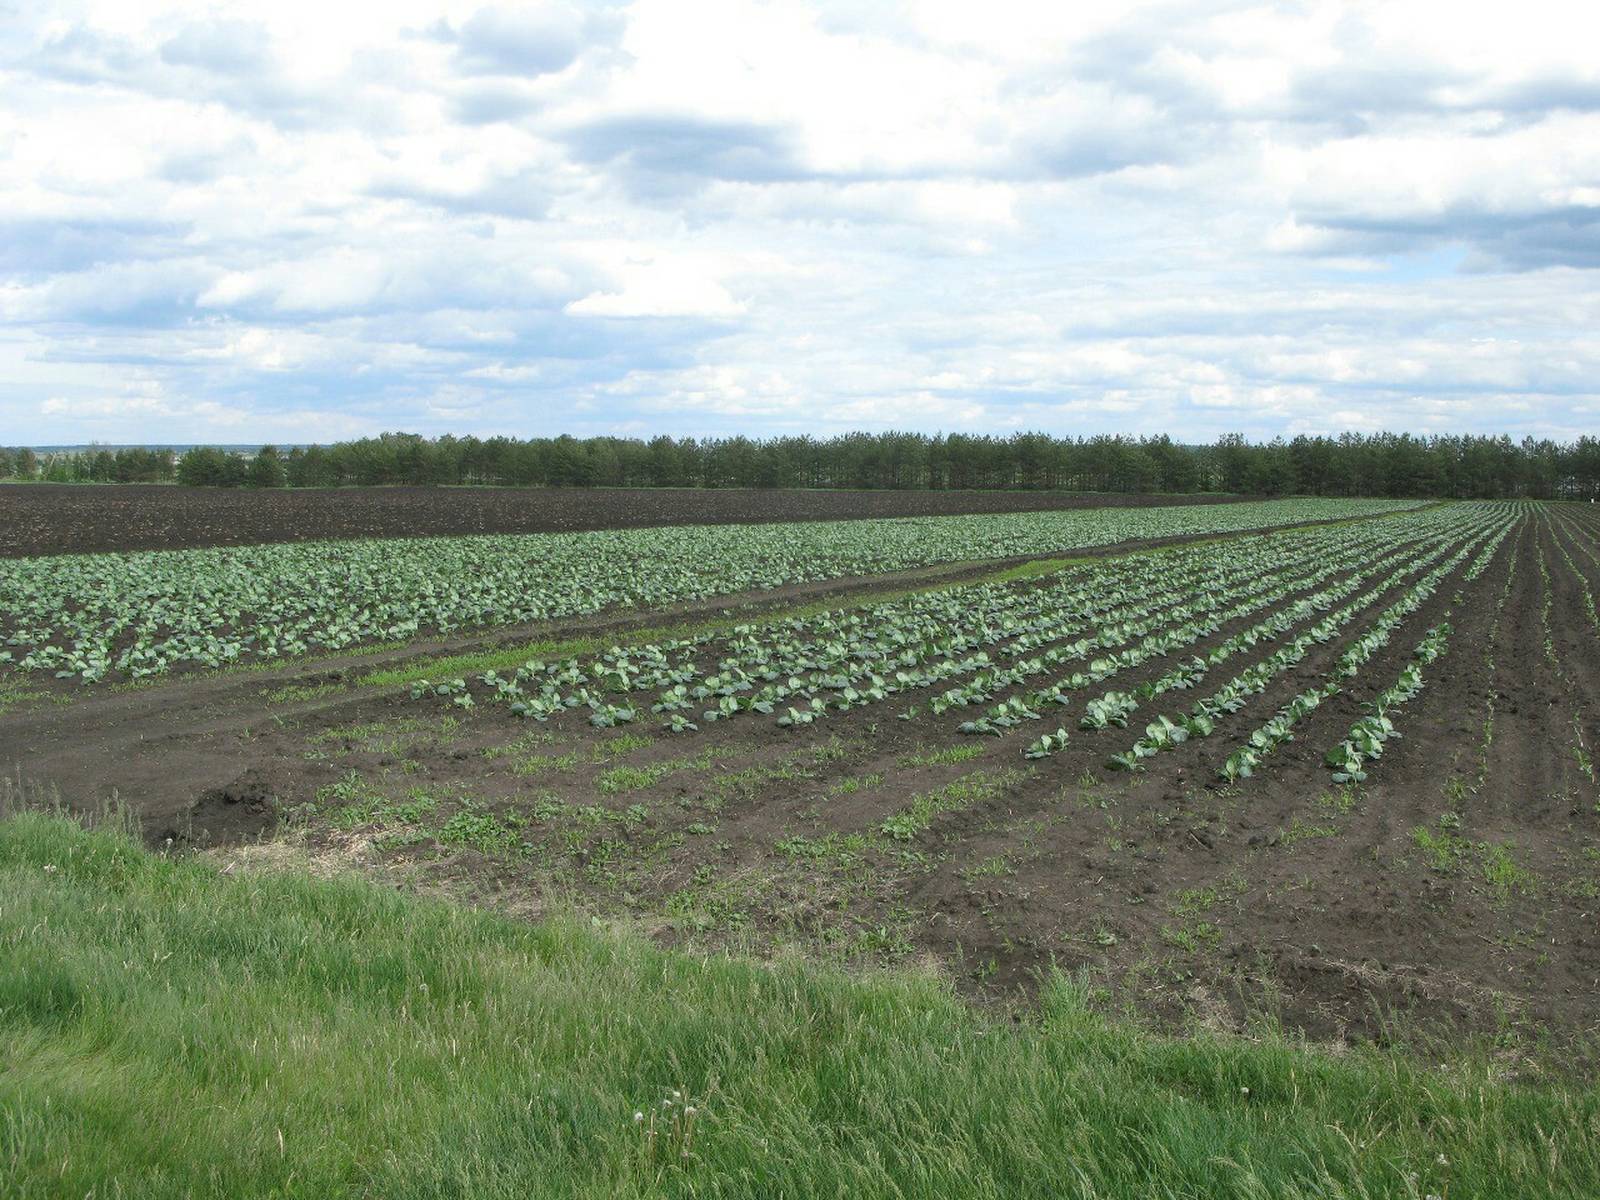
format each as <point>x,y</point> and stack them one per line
<point>840,658</point>
<point>1114,707</point>
<point>1368,736</point>
<point>1356,654</point>
<point>977,642</point>
<point>1166,733</point>
<point>91,617</point>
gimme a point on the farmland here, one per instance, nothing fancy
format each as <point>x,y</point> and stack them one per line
<point>46,518</point>
<point>1285,768</point>
<point>1322,770</point>
<point>92,617</point>
<point>1182,766</point>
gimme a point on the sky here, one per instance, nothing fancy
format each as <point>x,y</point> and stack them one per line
<point>299,221</point>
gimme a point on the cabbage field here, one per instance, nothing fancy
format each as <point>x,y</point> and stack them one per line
<point>999,659</point>
<point>130,616</point>
<point>1324,764</point>
<point>1326,775</point>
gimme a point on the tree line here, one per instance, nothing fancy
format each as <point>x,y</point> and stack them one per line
<point>1350,464</point>
<point>126,464</point>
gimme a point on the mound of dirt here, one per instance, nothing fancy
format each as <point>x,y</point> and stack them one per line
<point>241,811</point>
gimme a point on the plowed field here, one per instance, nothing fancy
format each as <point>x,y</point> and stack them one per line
<point>41,518</point>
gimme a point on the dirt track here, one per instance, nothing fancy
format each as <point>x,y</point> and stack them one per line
<point>78,519</point>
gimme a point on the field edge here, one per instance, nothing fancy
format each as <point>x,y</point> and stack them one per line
<point>339,1038</point>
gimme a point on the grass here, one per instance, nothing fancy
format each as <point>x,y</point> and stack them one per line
<point>1442,851</point>
<point>634,779</point>
<point>907,823</point>
<point>472,827</point>
<point>381,811</point>
<point>993,867</point>
<point>538,764</point>
<point>1192,937</point>
<point>1502,872</point>
<point>1301,830</point>
<point>296,692</point>
<point>619,747</point>
<point>1192,902</point>
<point>1339,802</point>
<point>14,693</point>
<point>748,782</point>
<point>1446,853</point>
<point>851,784</point>
<point>166,1031</point>
<point>944,756</point>
<point>627,778</point>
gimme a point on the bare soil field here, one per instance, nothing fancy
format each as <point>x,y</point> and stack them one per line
<point>78,519</point>
<point>1456,889</point>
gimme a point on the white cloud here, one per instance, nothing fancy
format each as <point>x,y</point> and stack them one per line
<point>658,292</point>
<point>790,215</point>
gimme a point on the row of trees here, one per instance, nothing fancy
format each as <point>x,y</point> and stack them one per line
<point>129,464</point>
<point>1349,465</point>
<point>206,467</point>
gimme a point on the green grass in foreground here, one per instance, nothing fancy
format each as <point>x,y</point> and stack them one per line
<point>169,1031</point>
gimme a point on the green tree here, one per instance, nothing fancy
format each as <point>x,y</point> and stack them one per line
<point>205,466</point>
<point>266,469</point>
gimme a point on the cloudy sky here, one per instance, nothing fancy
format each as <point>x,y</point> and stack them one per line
<point>301,221</point>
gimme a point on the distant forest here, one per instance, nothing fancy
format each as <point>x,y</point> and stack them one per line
<point>1348,465</point>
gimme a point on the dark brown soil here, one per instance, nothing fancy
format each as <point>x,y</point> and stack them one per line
<point>1458,890</point>
<point>83,518</point>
